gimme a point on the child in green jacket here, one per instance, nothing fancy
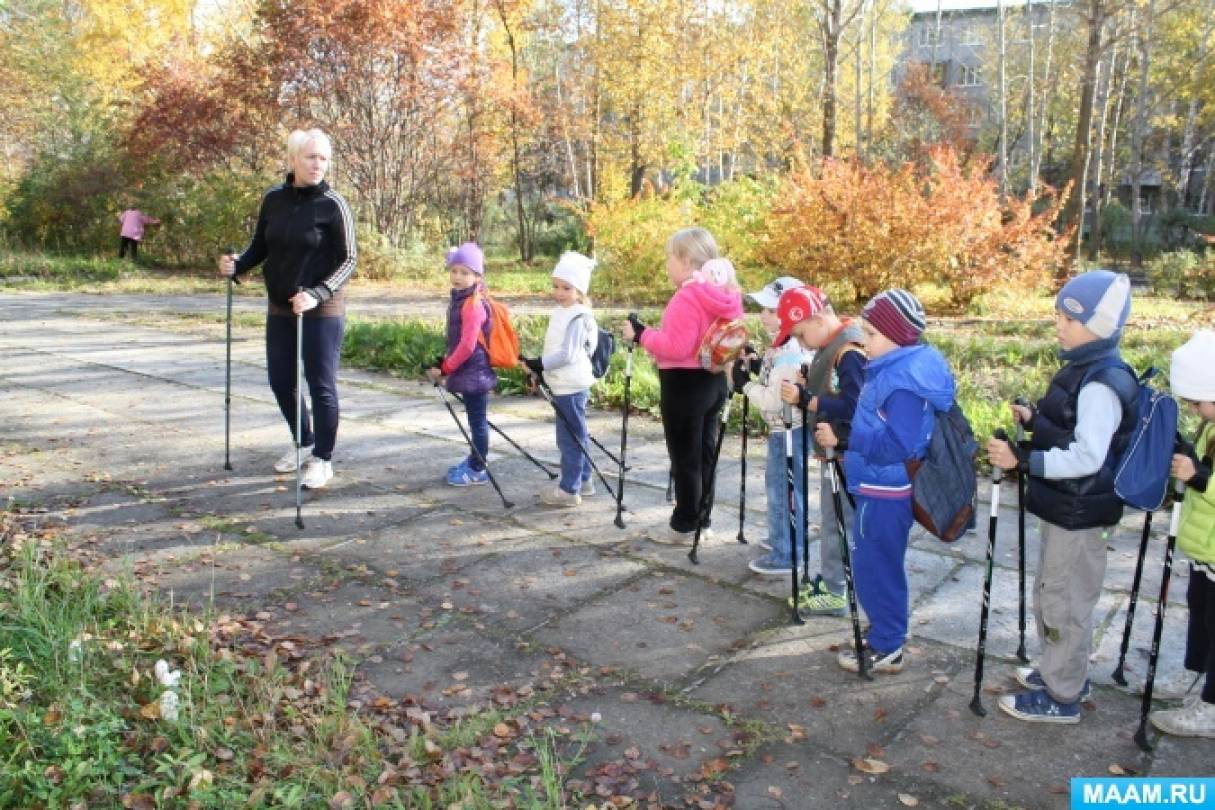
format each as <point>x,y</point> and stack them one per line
<point>1192,378</point>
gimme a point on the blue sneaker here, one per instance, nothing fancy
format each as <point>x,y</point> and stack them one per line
<point>1040,707</point>
<point>466,476</point>
<point>1031,678</point>
<point>770,566</point>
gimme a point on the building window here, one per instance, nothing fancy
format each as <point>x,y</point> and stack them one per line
<point>968,34</point>
<point>970,76</point>
<point>974,116</point>
<point>926,35</point>
<point>939,72</point>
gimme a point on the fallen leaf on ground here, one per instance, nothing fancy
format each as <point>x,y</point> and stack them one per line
<point>870,765</point>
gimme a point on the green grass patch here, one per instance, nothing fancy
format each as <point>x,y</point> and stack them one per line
<point>83,715</point>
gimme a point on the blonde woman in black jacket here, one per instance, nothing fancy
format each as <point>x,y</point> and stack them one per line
<point>305,242</point>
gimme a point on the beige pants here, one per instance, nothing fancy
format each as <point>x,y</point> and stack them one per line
<point>1071,569</point>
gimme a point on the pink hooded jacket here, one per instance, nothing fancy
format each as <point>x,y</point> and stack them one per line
<point>686,319</point>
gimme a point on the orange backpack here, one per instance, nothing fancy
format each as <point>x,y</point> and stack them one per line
<point>502,346</point>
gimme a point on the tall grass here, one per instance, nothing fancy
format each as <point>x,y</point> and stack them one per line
<point>81,724</point>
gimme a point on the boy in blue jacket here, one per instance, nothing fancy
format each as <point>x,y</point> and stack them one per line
<point>906,383</point>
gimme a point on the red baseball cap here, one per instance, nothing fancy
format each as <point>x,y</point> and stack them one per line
<point>795,306</point>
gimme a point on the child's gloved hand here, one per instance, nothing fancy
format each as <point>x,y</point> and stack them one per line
<point>533,364</point>
<point>633,328</point>
<point>740,374</point>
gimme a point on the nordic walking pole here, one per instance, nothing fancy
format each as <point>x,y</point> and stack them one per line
<point>705,507</point>
<point>805,486</point>
<point>791,495</point>
<point>551,475</point>
<point>611,456</point>
<point>228,373</point>
<point>547,393</point>
<point>670,486</point>
<point>624,433</point>
<point>833,470</point>
<point>1021,656</point>
<point>1118,675</point>
<point>1141,734</point>
<point>443,396</point>
<point>976,702</point>
<point>742,479</point>
<point>299,417</point>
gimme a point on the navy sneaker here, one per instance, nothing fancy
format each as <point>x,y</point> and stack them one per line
<point>875,661</point>
<point>1030,678</point>
<point>1040,707</point>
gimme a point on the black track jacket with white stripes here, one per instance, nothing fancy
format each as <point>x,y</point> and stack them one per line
<point>305,236</point>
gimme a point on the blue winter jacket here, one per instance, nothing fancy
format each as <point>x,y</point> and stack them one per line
<point>918,369</point>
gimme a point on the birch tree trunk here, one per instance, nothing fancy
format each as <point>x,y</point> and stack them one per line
<point>1139,128</point>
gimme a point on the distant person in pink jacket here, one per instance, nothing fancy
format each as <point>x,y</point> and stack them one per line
<point>691,397</point>
<point>133,221</point>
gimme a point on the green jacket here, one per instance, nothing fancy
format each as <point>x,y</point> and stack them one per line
<point>1196,535</point>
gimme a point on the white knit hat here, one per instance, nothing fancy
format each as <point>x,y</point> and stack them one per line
<point>1192,369</point>
<point>575,269</point>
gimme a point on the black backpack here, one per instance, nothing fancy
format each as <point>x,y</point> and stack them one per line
<point>944,487</point>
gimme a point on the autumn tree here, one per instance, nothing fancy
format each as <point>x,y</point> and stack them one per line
<point>861,228</point>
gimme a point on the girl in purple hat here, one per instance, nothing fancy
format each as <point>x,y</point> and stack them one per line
<point>466,364</point>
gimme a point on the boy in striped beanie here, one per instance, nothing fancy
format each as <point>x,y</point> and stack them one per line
<point>906,383</point>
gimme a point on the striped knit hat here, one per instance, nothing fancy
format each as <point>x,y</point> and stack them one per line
<point>897,314</point>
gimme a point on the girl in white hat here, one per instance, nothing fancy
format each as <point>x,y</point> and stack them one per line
<point>565,366</point>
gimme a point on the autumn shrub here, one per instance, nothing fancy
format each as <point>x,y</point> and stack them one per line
<point>630,240</point>
<point>630,236</point>
<point>857,228</point>
<point>735,213</point>
<point>1183,274</point>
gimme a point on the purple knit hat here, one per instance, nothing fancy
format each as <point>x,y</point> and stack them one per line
<point>467,255</point>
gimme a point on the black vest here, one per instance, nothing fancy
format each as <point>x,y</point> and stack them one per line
<point>1081,503</point>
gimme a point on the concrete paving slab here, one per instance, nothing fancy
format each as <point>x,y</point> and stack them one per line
<point>661,626</point>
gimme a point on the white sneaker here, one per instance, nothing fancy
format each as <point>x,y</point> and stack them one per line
<point>317,473</point>
<point>560,498</point>
<point>1195,719</point>
<point>667,536</point>
<point>286,464</point>
<point>588,488</point>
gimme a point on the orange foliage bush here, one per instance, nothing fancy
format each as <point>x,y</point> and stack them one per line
<point>858,229</point>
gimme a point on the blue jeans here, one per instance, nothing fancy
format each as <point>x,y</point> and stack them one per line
<point>776,483</point>
<point>321,352</point>
<point>476,405</point>
<point>575,468</point>
<point>880,530</point>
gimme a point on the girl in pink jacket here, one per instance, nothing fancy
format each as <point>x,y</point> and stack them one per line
<point>691,398</point>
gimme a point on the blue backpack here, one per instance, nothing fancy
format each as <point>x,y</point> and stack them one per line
<point>601,357</point>
<point>1141,474</point>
